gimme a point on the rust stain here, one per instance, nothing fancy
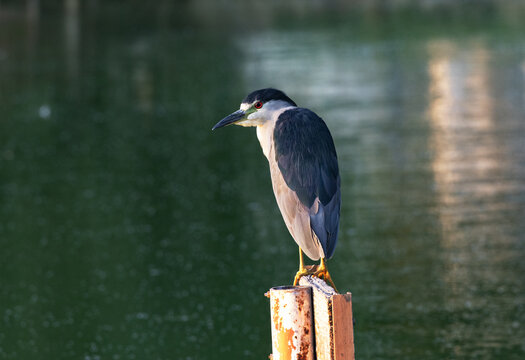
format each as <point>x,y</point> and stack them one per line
<point>303,351</point>
<point>331,327</point>
<point>277,320</point>
<point>285,344</point>
<point>300,303</point>
<point>294,342</point>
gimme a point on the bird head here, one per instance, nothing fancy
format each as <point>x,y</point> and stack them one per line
<point>257,108</point>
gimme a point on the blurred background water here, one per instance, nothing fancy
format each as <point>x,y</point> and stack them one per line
<point>128,230</point>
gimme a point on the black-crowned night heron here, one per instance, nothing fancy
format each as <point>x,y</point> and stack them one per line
<point>304,171</point>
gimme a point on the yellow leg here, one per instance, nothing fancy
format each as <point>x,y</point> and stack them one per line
<point>322,273</point>
<point>302,270</point>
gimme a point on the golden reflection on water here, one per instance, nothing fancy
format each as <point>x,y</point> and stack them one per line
<point>472,169</point>
<point>460,113</point>
<point>471,161</point>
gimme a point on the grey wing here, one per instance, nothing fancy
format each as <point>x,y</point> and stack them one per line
<point>306,157</point>
<point>296,215</point>
<point>325,221</point>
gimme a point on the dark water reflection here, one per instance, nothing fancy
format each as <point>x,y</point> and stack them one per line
<point>129,230</point>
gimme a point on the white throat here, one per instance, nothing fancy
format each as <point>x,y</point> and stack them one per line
<point>265,130</point>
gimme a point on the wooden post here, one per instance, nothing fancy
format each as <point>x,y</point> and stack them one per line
<point>334,330</point>
<point>292,323</point>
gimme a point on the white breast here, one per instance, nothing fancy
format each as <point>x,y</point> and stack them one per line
<point>265,132</point>
<point>265,136</point>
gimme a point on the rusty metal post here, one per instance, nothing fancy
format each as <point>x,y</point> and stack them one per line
<point>334,330</point>
<point>292,324</point>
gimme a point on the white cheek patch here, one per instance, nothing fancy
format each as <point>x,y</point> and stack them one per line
<point>254,115</point>
<point>269,111</point>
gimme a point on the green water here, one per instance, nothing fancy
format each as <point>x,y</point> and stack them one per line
<point>128,230</point>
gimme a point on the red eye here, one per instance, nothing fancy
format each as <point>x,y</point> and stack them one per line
<point>258,105</point>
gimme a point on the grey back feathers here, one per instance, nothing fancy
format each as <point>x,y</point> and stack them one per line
<point>306,156</point>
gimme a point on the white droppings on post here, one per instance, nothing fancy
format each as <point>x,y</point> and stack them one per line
<point>292,323</point>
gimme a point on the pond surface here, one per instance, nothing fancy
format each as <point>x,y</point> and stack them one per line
<point>128,230</point>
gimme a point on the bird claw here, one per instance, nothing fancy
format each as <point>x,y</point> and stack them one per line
<point>320,271</point>
<point>300,273</point>
<point>305,271</point>
<point>323,274</point>
<point>317,271</point>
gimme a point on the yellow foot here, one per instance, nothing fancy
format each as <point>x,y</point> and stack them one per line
<point>325,275</point>
<point>322,273</point>
<point>302,272</point>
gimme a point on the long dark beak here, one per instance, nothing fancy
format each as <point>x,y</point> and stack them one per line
<point>230,119</point>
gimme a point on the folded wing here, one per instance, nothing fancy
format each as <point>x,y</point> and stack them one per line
<point>311,200</point>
